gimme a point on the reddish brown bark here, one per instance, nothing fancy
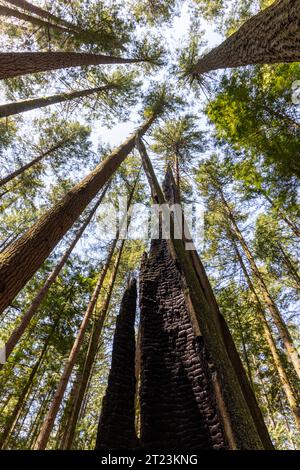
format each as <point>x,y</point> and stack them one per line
<point>13,64</point>
<point>22,259</point>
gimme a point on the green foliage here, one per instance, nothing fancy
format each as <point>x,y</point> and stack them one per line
<point>252,110</point>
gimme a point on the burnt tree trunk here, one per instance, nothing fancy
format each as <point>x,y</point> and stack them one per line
<point>178,406</point>
<point>116,428</point>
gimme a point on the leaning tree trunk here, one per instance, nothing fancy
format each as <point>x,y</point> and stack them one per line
<point>27,6</point>
<point>54,22</point>
<point>96,333</point>
<point>13,64</point>
<point>295,229</point>
<point>5,11</point>
<point>280,367</point>
<point>116,429</point>
<point>92,352</point>
<point>49,420</point>
<point>33,162</point>
<point>271,36</point>
<point>42,293</point>
<point>27,105</point>
<point>291,269</point>
<point>240,427</point>
<point>15,413</point>
<point>20,261</point>
<point>285,336</point>
<point>173,197</point>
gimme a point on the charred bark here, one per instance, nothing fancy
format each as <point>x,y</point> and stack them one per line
<point>117,420</point>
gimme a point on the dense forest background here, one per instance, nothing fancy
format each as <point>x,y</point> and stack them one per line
<point>232,138</point>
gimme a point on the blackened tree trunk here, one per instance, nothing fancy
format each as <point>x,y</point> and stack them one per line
<point>13,64</point>
<point>241,429</point>
<point>20,261</point>
<point>271,36</point>
<point>178,405</point>
<point>18,107</point>
<point>173,197</point>
<point>116,428</point>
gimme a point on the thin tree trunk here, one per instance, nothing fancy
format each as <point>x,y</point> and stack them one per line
<point>70,406</point>
<point>46,429</point>
<point>245,352</point>
<point>13,64</point>
<point>92,351</point>
<point>8,12</point>
<point>27,6</point>
<point>18,107</point>
<point>271,36</point>
<point>291,224</point>
<point>22,397</point>
<point>289,265</point>
<point>39,418</point>
<point>285,336</point>
<point>280,368</point>
<point>20,261</point>
<point>227,388</point>
<point>33,162</point>
<point>42,293</point>
<point>96,333</point>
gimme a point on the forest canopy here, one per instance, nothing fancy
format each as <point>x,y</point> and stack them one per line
<point>99,98</point>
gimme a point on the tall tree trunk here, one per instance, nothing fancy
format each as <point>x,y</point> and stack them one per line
<point>96,333</point>
<point>13,64</point>
<point>271,36</point>
<point>116,429</point>
<point>42,293</point>
<point>245,352</point>
<point>27,6</point>
<point>92,350</point>
<point>22,259</point>
<point>27,105</point>
<point>280,367</point>
<point>33,162</point>
<point>227,388</point>
<point>285,336</point>
<point>5,11</point>
<point>46,429</point>
<point>14,415</point>
<point>222,326</point>
<point>70,407</point>
<point>292,271</point>
<point>292,225</point>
